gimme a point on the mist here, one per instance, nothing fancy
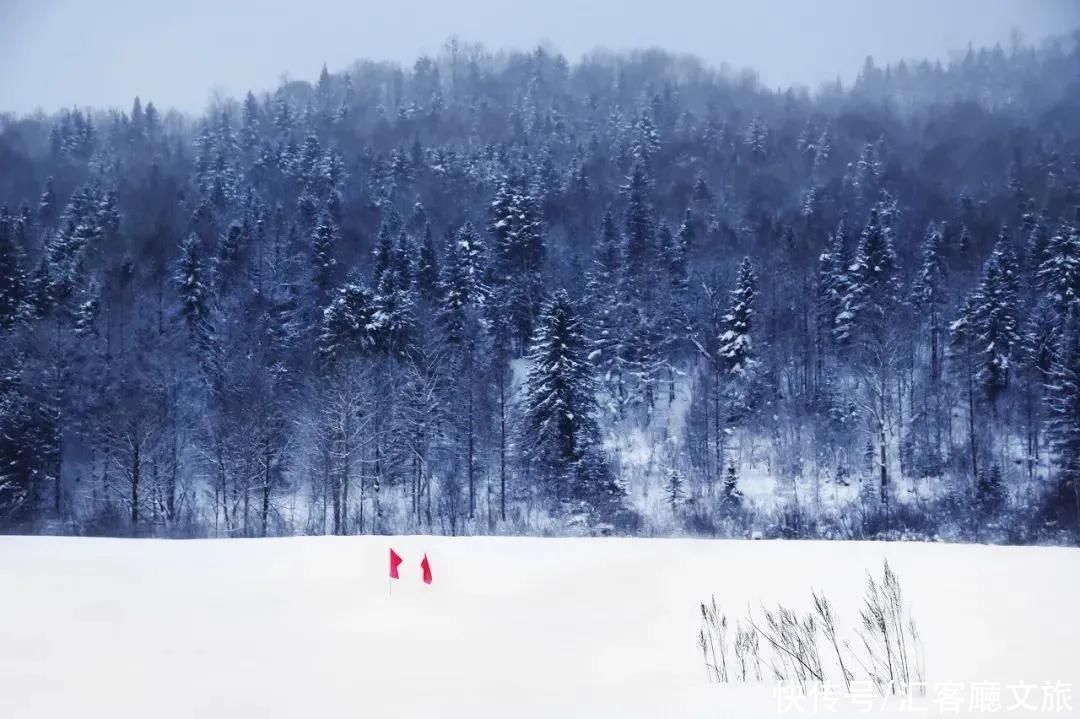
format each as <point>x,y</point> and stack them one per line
<point>66,52</point>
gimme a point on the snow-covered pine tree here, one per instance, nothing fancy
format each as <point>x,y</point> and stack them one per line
<point>350,324</point>
<point>736,348</point>
<point>647,142</point>
<point>873,284</point>
<point>869,322</point>
<point>757,139</point>
<point>833,284</point>
<point>47,207</point>
<point>673,489</point>
<point>191,287</point>
<point>13,283</point>
<point>930,295</point>
<point>672,316</point>
<point>609,314</point>
<point>1059,274</point>
<point>1063,392</point>
<point>516,224</point>
<point>249,125</point>
<point>996,321</point>
<point>560,399</point>
<point>731,500</point>
<point>640,233</point>
<point>324,265</point>
<point>687,235</point>
<point>963,337</point>
<point>427,267</point>
<point>990,490</point>
<point>463,297</point>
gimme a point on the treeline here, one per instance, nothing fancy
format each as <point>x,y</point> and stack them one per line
<point>504,293</point>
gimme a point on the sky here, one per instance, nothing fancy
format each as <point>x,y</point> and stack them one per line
<point>102,53</point>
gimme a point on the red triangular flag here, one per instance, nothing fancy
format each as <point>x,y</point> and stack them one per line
<point>427,570</point>
<point>395,560</point>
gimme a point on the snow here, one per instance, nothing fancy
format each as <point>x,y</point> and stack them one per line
<point>306,627</point>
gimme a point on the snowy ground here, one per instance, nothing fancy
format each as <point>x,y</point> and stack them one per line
<point>592,628</point>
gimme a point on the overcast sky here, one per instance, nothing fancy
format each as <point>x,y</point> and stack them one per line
<point>104,52</point>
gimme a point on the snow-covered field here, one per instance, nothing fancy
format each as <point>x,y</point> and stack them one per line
<point>307,627</point>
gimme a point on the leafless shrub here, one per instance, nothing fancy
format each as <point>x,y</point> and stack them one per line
<point>890,642</point>
<point>890,653</point>
<point>795,643</point>
<point>712,640</point>
<point>827,622</point>
<point>747,652</point>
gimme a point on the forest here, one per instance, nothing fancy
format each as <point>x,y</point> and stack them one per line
<point>508,293</point>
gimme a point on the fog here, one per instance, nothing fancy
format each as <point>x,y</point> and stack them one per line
<point>72,52</point>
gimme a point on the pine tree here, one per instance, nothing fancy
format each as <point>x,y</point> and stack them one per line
<point>673,318</point>
<point>963,336</point>
<point>1059,274</point>
<point>868,321</point>
<point>687,235</point>
<point>930,292</point>
<point>27,445</point>
<point>518,254</point>
<point>350,325</point>
<point>674,489</point>
<point>602,287</point>
<point>462,292</point>
<point>735,348</point>
<point>647,142</point>
<point>395,296</point>
<point>996,321</point>
<point>874,289</point>
<point>640,237</point>
<point>560,398</point>
<point>13,282</point>
<point>323,248</point>
<point>990,490</point>
<point>249,125</point>
<point>190,285</point>
<point>833,282</point>
<point>757,139</point>
<point>47,209</point>
<point>731,501</point>
<point>1063,391</point>
<point>427,267</point>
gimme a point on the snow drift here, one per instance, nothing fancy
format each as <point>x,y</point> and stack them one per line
<point>308,627</point>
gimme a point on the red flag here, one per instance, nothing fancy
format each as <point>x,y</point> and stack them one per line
<point>427,570</point>
<point>395,560</point>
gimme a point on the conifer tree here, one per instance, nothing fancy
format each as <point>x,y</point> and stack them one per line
<point>640,238</point>
<point>323,248</point>
<point>190,285</point>
<point>427,267</point>
<point>560,398</point>
<point>833,283</point>
<point>736,348</point>
<point>731,500</point>
<point>674,489</point>
<point>963,337</point>
<point>350,325</point>
<point>13,282</point>
<point>1059,274</point>
<point>990,490</point>
<point>1063,391</point>
<point>996,321</point>
<point>518,254</point>
<point>874,288</point>
<point>930,297</point>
